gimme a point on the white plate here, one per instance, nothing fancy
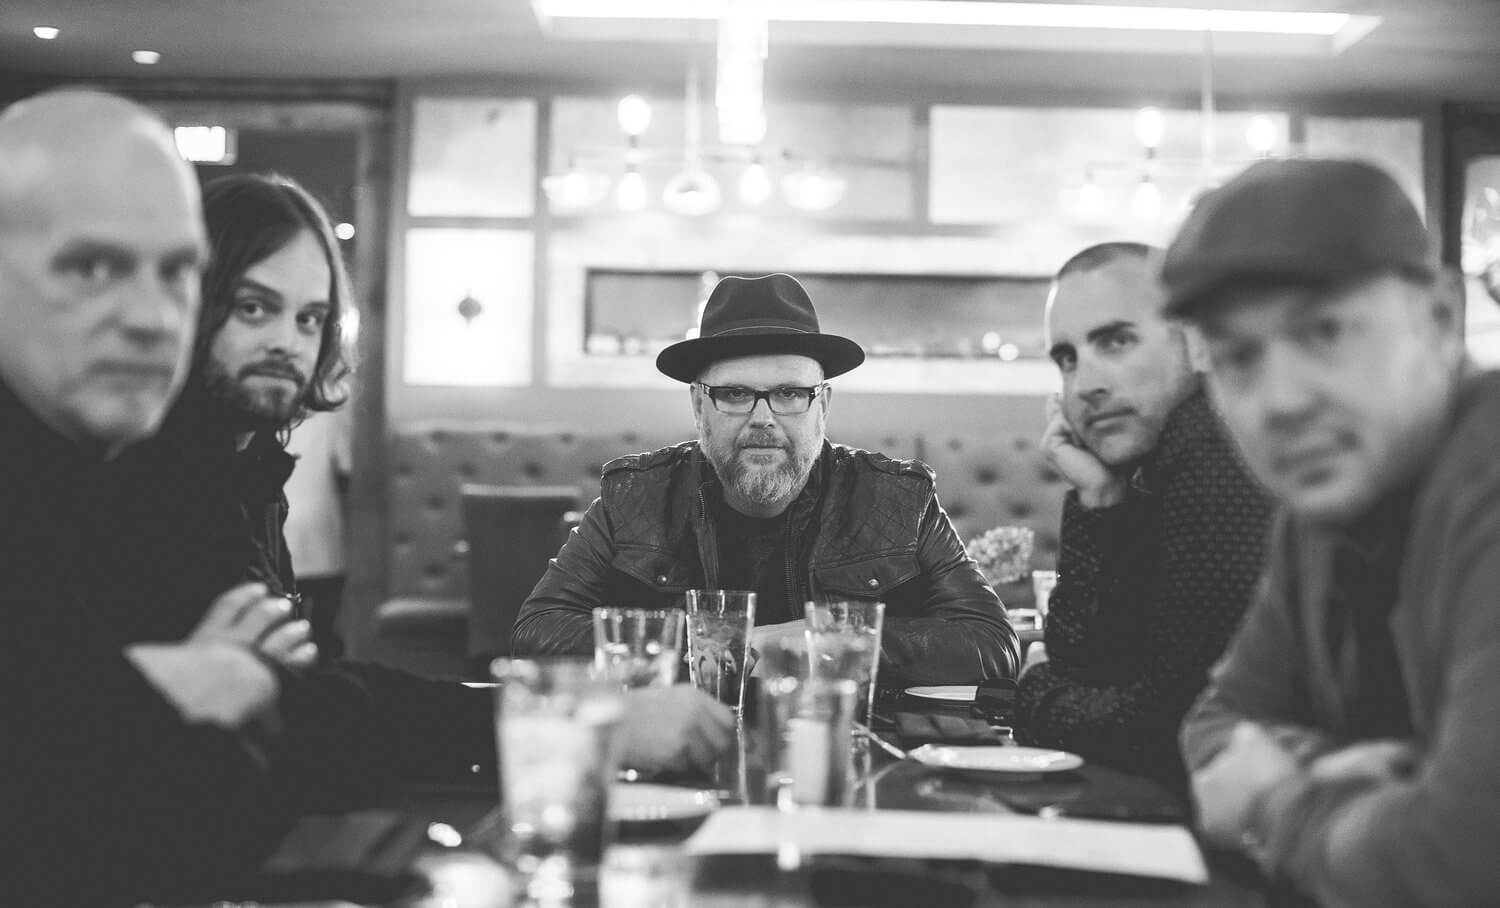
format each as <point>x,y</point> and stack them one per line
<point>958,693</point>
<point>641,802</point>
<point>1029,761</point>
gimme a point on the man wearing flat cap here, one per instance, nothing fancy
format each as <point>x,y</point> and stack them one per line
<point>763,502</point>
<point>1348,738</point>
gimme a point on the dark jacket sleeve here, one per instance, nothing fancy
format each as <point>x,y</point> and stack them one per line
<point>1137,622</point>
<point>556,619</point>
<point>112,798</point>
<point>961,634</point>
<point>351,730</point>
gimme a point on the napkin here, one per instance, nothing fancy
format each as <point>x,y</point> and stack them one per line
<point>917,729</point>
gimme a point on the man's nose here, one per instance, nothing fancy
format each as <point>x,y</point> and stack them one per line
<point>1090,383</point>
<point>150,312</point>
<point>1288,391</point>
<point>760,413</point>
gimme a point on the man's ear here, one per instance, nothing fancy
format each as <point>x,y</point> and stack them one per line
<point>1448,301</point>
<point>1197,347</point>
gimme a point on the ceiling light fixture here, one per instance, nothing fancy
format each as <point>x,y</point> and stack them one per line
<point>46,32</point>
<point>146,57</point>
<point>968,13</point>
<point>740,92</point>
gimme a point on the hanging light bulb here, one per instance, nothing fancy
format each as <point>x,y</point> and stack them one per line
<point>634,114</point>
<point>1146,201</point>
<point>1261,134</point>
<point>630,192</point>
<point>813,188</point>
<point>575,188</point>
<point>755,183</point>
<point>1150,127</point>
<point>692,192</point>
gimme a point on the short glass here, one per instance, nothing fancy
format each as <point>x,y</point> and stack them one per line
<point>807,726</point>
<point>638,647</point>
<point>719,624</point>
<point>555,729</point>
<point>844,637</point>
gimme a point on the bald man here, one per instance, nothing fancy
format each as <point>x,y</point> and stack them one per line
<point>134,766</point>
<point>153,765</point>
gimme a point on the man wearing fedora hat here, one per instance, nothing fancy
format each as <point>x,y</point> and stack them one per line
<point>762,501</point>
<point>1348,737</point>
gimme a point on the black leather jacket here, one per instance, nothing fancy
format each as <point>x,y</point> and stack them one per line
<point>867,527</point>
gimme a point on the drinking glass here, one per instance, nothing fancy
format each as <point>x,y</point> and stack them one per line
<point>807,723</point>
<point>719,623</point>
<point>1042,583</point>
<point>844,637</point>
<point>555,729</point>
<point>638,647</point>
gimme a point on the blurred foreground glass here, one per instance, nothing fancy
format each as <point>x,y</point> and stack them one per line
<point>555,729</point>
<point>845,645</point>
<point>807,726</point>
<point>719,623</point>
<point>638,647</point>
<point>1042,583</point>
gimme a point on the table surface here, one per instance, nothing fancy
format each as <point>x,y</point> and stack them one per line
<point>887,783</point>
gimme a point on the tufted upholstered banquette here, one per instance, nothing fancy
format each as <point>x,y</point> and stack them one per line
<point>983,481</point>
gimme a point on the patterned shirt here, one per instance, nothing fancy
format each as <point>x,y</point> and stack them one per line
<point>1149,592</point>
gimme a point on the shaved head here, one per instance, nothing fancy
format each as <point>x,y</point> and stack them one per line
<point>101,249</point>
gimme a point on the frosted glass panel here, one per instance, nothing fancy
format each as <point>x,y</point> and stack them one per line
<point>871,146</point>
<point>472,157</point>
<point>468,307</point>
<point>1080,169</point>
<point>1389,142</point>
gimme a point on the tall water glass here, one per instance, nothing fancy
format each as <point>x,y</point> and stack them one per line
<point>555,728</point>
<point>844,638</point>
<point>719,624</point>
<point>806,721</point>
<point>638,647</point>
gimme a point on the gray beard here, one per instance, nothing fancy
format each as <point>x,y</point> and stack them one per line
<point>765,487</point>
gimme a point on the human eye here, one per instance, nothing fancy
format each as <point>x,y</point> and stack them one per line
<point>1065,359</point>
<point>1117,341</point>
<point>95,269</point>
<point>1321,332</point>
<point>312,320</point>
<point>181,271</point>
<point>733,395</point>
<point>251,309</point>
<point>792,395</point>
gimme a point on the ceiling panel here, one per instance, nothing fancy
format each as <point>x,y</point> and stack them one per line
<point>1425,49</point>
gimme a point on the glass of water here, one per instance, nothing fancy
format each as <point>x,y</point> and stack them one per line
<point>844,640</point>
<point>555,728</point>
<point>719,624</point>
<point>638,647</point>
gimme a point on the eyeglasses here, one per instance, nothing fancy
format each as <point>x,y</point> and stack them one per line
<point>737,400</point>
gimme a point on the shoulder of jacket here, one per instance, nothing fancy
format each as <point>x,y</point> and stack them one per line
<point>880,463</point>
<point>667,457</point>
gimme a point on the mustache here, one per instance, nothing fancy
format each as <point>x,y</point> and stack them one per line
<point>274,368</point>
<point>761,440</point>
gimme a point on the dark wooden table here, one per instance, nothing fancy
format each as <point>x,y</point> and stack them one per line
<point>886,783</point>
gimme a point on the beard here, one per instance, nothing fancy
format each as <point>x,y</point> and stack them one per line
<point>760,483</point>
<point>255,406</point>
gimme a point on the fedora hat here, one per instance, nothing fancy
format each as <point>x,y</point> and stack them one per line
<point>758,316</point>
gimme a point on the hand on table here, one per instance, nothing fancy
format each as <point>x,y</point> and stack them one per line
<point>213,682</point>
<point>1227,788</point>
<point>674,728</point>
<point>1098,486</point>
<point>249,616</point>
